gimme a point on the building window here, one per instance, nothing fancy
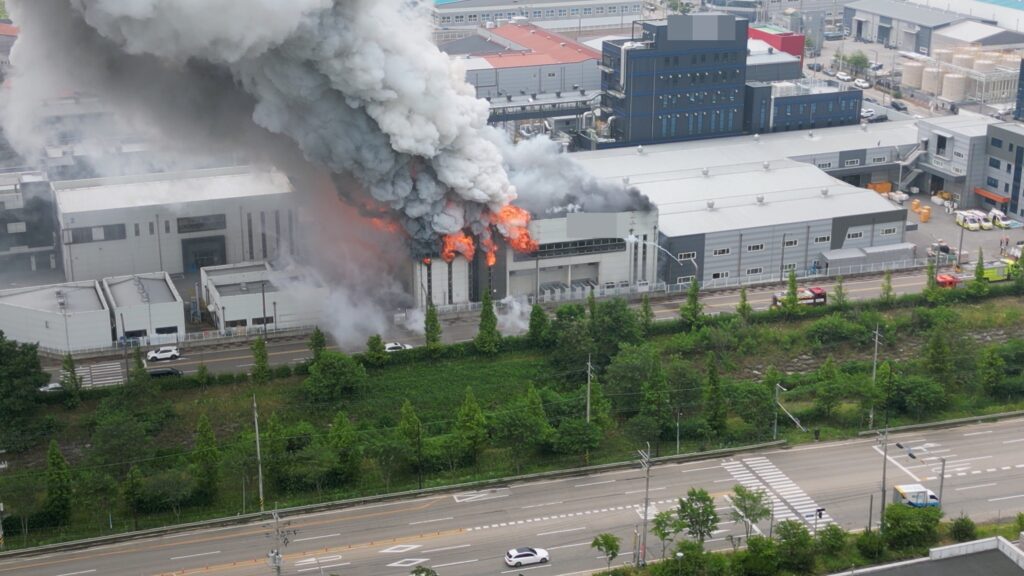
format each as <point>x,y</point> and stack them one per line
<point>574,11</point>
<point>753,271</point>
<point>96,234</point>
<point>854,162</point>
<point>263,233</point>
<point>878,160</point>
<point>854,235</point>
<point>562,12</point>
<point>1009,168</point>
<point>825,165</point>
<point>789,267</point>
<point>537,13</point>
<point>889,231</point>
<point>719,275</point>
<point>472,17</point>
<point>202,223</point>
<point>167,226</point>
<point>722,251</point>
<point>446,19</point>
<point>684,280</point>
<point>252,251</point>
<point>588,11</point>
<point>687,256</point>
<point>599,10</point>
<point>755,247</point>
<point>460,18</point>
<point>636,8</point>
<point>994,162</point>
<point>791,243</point>
<point>958,154</point>
<point>992,182</point>
<point>152,229</point>
<point>613,9</point>
<point>1010,146</point>
<point>136,228</point>
<point>822,239</point>
<point>996,142</point>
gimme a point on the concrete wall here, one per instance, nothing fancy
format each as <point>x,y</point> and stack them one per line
<point>79,330</point>
<point>495,82</point>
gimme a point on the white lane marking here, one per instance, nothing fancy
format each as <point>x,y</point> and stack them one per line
<point>318,559</point>
<point>593,483</point>
<point>978,433</point>
<point>639,491</point>
<point>561,531</point>
<point>324,566</point>
<point>725,480</point>
<point>82,572</point>
<point>570,546</point>
<point>976,486</point>
<point>429,521</point>
<point>196,555</point>
<point>316,537</point>
<point>1013,441</point>
<point>447,548</point>
<point>407,562</point>
<point>455,563</point>
<point>962,460</point>
<point>898,465</point>
<point>700,469</point>
<point>1006,498</point>
<point>540,505</point>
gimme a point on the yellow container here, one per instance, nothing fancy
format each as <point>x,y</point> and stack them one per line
<point>915,205</point>
<point>926,213</point>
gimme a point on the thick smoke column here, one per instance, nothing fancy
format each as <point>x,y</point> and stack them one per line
<point>357,84</point>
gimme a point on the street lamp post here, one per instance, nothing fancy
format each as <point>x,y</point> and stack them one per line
<point>679,563</point>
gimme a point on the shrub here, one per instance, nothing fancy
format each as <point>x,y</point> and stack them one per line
<point>963,529</point>
<point>282,371</point>
<point>907,527</point>
<point>760,559</point>
<point>870,545</point>
<point>834,328</point>
<point>831,539</point>
<point>796,549</point>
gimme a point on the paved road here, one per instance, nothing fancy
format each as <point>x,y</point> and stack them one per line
<point>466,534</point>
<point>460,329</point>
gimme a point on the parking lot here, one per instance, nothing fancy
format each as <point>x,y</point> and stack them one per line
<point>943,227</point>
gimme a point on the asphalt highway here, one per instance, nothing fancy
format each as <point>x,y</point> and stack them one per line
<point>463,328</point>
<point>466,534</point>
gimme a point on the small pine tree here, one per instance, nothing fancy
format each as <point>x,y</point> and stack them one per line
<point>790,302</point>
<point>839,298</point>
<point>203,376</point>
<point>591,307</point>
<point>59,486</point>
<point>887,295</point>
<point>132,493</point>
<point>714,403</point>
<point>206,460</point>
<point>376,355</point>
<point>646,315</point>
<point>71,382</point>
<point>260,374</point>
<point>930,282</point>
<point>540,326</point>
<point>488,339</point>
<point>743,308</point>
<point>963,529</point>
<point>317,343</point>
<point>432,328</point>
<point>979,285</point>
<point>692,312</point>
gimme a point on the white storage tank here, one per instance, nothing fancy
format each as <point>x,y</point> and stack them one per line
<point>963,60</point>
<point>931,80</point>
<point>984,65</point>
<point>954,87</point>
<point>912,74</point>
<point>943,55</point>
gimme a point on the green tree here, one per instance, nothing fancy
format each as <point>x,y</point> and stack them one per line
<point>831,540</point>
<point>697,513</point>
<point>471,425</point>
<point>743,308</point>
<point>202,376</point>
<point>858,61</point>
<point>796,548</point>
<point>753,401</point>
<point>421,570</point>
<point>656,403</point>
<point>615,325</point>
<point>116,433</point>
<point>924,397</point>
<point>21,375</point>
<point>343,441</point>
<point>376,355</point>
<point>963,529</point>
<point>665,526</point>
<point>991,370</point>
<point>522,426</point>
<point>488,339</point>
<point>206,461</point>
<point>573,346</point>
<point>576,436</point>
<point>59,486</point>
<point>930,282</point>
<point>887,296</point>
<point>978,286</point>
<point>646,315</point>
<point>317,343</point>
<point>71,382</point>
<point>608,544</point>
<point>938,357</point>
<point>715,411</point>
<point>839,294</point>
<point>761,557</point>
<point>432,328</point>
<point>169,489</point>
<point>791,301</point>
<point>131,493</point>
<point>692,311</point>
<point>749,506</point>
<point>540,327</point>
<point>333,376</point>
<point>260,373</point>
<point>591,307</point>
<point>870,544</point>
<point>830,387</point>
<point>411,429</point>
<point>909,527</point>
<point>138,376</point>
<point>631,369</point>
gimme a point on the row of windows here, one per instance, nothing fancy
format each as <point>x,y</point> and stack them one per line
<point>575,248</point>
<point>698,122</point>
<point>548,13</point>
<point>788,244</point>
<point>698,97</point>
<point>997,164</point>
<point>801,109</point>
<point>695,78</point>
<point>716,57</point>
<point>852,162</point>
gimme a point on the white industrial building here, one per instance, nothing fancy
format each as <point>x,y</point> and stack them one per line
<point>176,222</point>
<point>252,295</point>
<point>146,306</point>
<point>453,17</point>
<point>61,317</point>
<point>578,252</point>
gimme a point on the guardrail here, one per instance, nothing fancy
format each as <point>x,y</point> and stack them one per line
<point>352,502</point>
<point>947,423</point>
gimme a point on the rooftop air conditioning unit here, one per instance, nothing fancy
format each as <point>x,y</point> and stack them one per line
<point>711,204</point>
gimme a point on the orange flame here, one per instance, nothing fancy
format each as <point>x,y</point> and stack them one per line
<point>457,243</point>
<point>490,249</point>
<point>385,225</point>
<point>513,222</point>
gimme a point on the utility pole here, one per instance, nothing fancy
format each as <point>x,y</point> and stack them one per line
<point>874,372</point>
<point>678,415</point>
<point>263,295</point>
<point>2,524</point>
<point>259,457</point>
<point>645,461</point>
<point>589,370</point>
<point>775,424</point>
<point>885,466</point>
<point>942,484</point>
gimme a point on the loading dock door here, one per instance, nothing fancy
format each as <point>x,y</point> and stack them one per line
<point>199,252</point>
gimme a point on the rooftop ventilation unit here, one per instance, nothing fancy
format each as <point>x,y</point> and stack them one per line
<point>640,149</point>
<point>760,199</point>
<point>243,287</point>
<point>824,192</point>
<point>711,205</point>
<point>705,171</point>
<point>766,165</point>
<point>757,137</point>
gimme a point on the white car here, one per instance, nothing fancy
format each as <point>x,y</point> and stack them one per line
<point>396,347</point>
<point>862,83</point>
<point>844,77</point>
<point>165,353</point>
<point>867,112</point>
<point>517,557</point>
<point>51,387</point>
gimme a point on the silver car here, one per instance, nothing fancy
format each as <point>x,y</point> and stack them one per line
<point>517,557</point>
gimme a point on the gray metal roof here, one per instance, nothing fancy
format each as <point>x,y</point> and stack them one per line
<point>141,289</point>
<point>239,268</point>
<point>907,12</point>
<point>472,44</point>
<point>242,288</point>
<point>67,298</point>
<point>513,5</point>
<point>988,563</point>
<point>966,123</point>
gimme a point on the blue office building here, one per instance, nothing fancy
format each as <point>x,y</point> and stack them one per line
<point>1018,112</point>
<point>803,104</point>
<point>677,79</point>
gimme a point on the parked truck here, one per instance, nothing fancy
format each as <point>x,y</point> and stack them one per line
<point>914,495</point>
<point>995,270</point>
<point>804,296</point>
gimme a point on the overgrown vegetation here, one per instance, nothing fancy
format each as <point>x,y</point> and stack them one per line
<point>152,453</point>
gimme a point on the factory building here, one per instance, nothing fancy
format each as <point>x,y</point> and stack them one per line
<point>60,318</point>
<point>176,223</point>
<point>456,18</point>
<point>804,104</point>
<point>252,296</point>
<point>609,253</point>
<point>908,27</point>
<point>28,228</point>
<point>765,63</point>
<point>779,38</point>
<point>145,306</point>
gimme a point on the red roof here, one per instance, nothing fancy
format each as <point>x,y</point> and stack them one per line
<point>542,47</point>
<point>8,29</point>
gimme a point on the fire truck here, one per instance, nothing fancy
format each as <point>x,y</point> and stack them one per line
<point>804,297</point>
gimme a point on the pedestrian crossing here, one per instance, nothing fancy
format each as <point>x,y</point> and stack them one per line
<point>788,501</point>
<point>99,375</point>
